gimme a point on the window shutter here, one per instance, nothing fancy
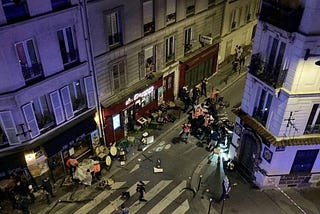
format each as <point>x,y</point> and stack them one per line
<point>31,120</point>
<point>90,92</point>
<point>57,107</point>
<point>171,6</point>
<point>141,60</point>
<point>9,127</point>
<point>147,12</point>
<point>148,52</point>
<point>67,104</point>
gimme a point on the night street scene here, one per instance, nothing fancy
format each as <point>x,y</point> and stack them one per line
<point>159,106</point>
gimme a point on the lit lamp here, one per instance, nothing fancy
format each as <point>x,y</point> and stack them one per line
<point>30,157</point>
<point>96,118</point>
<point>308,54</point>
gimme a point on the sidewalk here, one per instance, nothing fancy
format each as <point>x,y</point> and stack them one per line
<point>222,79</point>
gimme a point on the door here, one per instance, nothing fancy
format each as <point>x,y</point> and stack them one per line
<point>168,87</point>
<point>248,150</point>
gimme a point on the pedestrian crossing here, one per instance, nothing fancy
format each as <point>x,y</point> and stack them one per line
<point>159,195</point>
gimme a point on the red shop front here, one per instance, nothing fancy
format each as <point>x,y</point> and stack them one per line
<point>121,117</point>
<point>195,68</point>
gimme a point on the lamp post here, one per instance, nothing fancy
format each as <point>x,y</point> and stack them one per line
<point>210,202</point>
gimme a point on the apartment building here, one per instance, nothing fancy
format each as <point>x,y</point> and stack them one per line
<point>276,139</point>
<point>145,51</point>
<point>47,92</point>
<point>239,26</point>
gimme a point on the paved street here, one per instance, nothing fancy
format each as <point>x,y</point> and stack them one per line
<point>178,189</point>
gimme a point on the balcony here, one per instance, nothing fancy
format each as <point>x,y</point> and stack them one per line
<point>266,73</point>
<point>281,15</point>
<point>149,28</point>
<point>15,11</point>
<point>60,4</point>
<point>190,11</point>
<point>171,18</point>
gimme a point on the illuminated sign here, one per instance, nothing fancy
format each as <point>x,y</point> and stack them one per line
<point>144,93</point>
<point>205,39</point>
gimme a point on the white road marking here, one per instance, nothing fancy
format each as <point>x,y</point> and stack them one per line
<point>292,201</point>
<point>170,197</point>
<point>149,195</point>
<point>99,198</point>
<point>183,208</point>
<point>137,166</point>
<point>118,201</point>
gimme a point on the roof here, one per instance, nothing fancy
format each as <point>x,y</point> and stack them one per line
<point>309,139</point>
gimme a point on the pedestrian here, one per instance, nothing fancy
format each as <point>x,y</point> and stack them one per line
<point>204,84</point>
<point>235,64</point>
<point>46,184</point>
<point>123,209</point>
<point>225,189</point>
<point>72,163</point>
<point>242,60</point>
<point>195,95</point>
<point>141,190</point>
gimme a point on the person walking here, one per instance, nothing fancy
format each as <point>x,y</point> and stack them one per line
<point>123,209</point>
<point>141,190</point>
<point>235,64</point>
<point>204,84</point>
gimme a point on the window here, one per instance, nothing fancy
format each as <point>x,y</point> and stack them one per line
<point>15,10</point>
<point>247,15</point>
<point>304,160</point>
<point>78,97</point>
<point>149,59</point>
<point>3,137</point>
<point>313,125</point>
<point>114,29</point>
<point>148,18</point>
<point>170,49</point>
<point>43,112</point>
<point>187,39</point>
<point>190,7</point>
<point>28,59</point>
<point>8,131</point>
<point>171,11</point>
<point>262,109</point>
<point>59,4</point>
<point>234,19</point>
<point>119,76</point>
<point>67,45</point>
<point>276,52</point>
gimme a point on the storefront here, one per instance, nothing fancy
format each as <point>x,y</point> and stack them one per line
<point>125,115</point>
<point>78,141</point>
<point>195,68</point>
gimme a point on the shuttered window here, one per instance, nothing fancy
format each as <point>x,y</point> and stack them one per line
<point>90,91</point>
<point>67,103</point>
<point>31,120</point>
<point>57,107</point>
<point>9,128</point>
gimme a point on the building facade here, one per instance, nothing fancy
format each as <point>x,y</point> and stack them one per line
<point>145,51</point>
<point>276,139</point>
<point>47,89</point>
<point>239,26</point>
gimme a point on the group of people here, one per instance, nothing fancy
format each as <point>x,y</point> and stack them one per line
<point>239,59</point>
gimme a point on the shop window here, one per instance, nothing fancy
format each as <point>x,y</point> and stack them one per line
<point>148,17</point>
<point>171,11</point>
<point>170,49</point>
<point>304,160</point>
<point>116,121</point>
<point>313,124</point>
<point>29,61</point>
<point>80,147</point>
<point>15,10</point>
<point>114,30</point>
<point>68,47</point>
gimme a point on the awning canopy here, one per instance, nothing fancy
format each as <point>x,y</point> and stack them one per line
<point>57,144</point>
<point>310,139</point>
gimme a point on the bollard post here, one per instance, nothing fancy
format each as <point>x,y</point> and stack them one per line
<point>200,178</point>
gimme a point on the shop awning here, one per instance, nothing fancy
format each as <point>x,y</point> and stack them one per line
<point>311,139</point>
<point>56,144</point>
<point>13,161</point>
<point>127,92</point>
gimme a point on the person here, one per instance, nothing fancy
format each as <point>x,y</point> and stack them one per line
<point>225,189</point>
<point>141,190</point>
<point>123,209</point>
<point>46,184</point>
<point>72,163</point>
<point>195,95</point>
<point>186,131</point>
<point>235,64</point>
<point>204,84</point>
<point>242,61</point>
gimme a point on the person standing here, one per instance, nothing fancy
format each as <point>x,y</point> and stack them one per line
<point>225,189</point>
<point>141,190</point>
<point>123,210</point>
<point>204,84</point>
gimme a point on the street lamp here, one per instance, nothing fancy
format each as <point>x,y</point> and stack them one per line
<point>210,202</point>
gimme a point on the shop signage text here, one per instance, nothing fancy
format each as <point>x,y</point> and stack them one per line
<point>205,39</point>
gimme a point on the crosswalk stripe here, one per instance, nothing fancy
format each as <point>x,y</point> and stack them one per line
<point>99,198</point>
<point>183,208</point>
<point>118,201</point>
<point>170,197</point>
<point>149,195</point>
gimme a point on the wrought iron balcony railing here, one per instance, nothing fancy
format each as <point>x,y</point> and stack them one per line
<point>312,129</point>
<point>267,73</point>
<point>286,16</point>
<point>33,72</point>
